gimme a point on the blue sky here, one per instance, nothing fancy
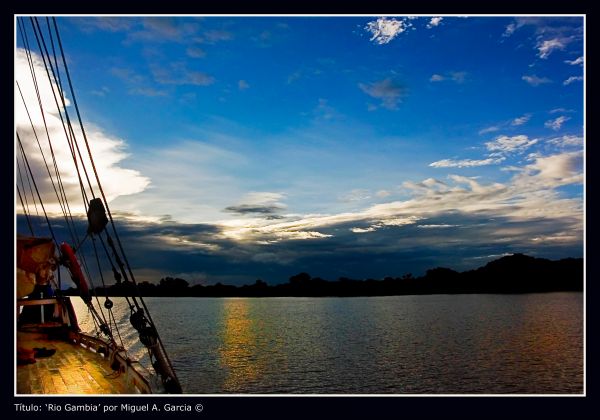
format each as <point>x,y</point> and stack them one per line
<point>236,148</point>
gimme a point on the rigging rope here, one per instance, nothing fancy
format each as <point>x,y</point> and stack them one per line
<point>116,274</point>
<point>26,206</point>
<point>26,211</point>
<point>103,284</point>
<point>37,191</point>
<point>37,212</point>
<point>67,126</point>
<point>41,151</point>
<point>63,197</point>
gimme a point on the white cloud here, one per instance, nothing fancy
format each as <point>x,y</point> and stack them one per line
<point>510,29</point>
<point>567,141</point>
<point>484,257</point>
<point>572,79</point>
<point>356,195</point>
<point>455,76</point>
<point>524,198</point>
<point>529,196</point>
<point>383,193</point>
<point>398,221</point>
<point>561,237</point>
<point>435,21</point>
<point>521,120</point>
<point>577,61</point>
<point>388,222</point>
<point>363,230</point>
<point>458,76</point>
<point>555,110</point>
<point>109,152</point>
<point>552,171</point>
<point>384,30</point>
<point>546,47</point>
<point>262,198</point>
<point>534,80</point>
<point>465,163</point>
<point>511,168</point>
<point>100,92</point>
<point>514,144</point>
<point>556,123</point>
<point>489,129</point>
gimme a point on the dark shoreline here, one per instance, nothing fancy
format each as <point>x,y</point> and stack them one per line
<point>515,274</point>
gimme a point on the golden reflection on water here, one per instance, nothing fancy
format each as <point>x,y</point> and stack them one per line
<point>238,352</point>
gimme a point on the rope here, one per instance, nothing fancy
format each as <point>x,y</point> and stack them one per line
<point>37,191</point>
<point>65,201</point>
<point>40,148</point>
<point>115,272</point>
<point>37,212</point>
<point>69,133</point>
<point>26,206</point>
<point>62,97</point>
<point>62,198</point>
<point>103,284</point>
<point>25,211</point>
<point>53,53</point>
<point>111,315</point>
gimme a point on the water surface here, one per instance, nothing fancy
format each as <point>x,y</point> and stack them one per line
<point>531,343</point>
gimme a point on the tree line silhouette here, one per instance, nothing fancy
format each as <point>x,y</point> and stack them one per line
<point>517,273</point>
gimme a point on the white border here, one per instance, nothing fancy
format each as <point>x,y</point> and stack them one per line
<point>584,394</point>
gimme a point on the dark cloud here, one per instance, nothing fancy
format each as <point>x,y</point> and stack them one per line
<point>390,92</point>
<point>253,209</point>
<point>464,241</point>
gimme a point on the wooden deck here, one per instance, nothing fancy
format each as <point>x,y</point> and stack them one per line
<point>71,370</point>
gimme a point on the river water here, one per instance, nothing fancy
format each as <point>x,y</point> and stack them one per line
<point>431,344</point>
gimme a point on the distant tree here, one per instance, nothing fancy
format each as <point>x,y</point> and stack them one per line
<point>260,284</point>
<point>440,273</point>
<point>173,286</point>
<point>147,288</point>
<point>299,279</point>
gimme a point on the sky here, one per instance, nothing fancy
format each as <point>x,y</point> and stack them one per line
<point>237,148</point>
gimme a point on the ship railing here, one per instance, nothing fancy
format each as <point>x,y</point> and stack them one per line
<point>138,378</point>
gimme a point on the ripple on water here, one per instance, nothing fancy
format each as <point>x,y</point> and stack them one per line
<point>403,344</point>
